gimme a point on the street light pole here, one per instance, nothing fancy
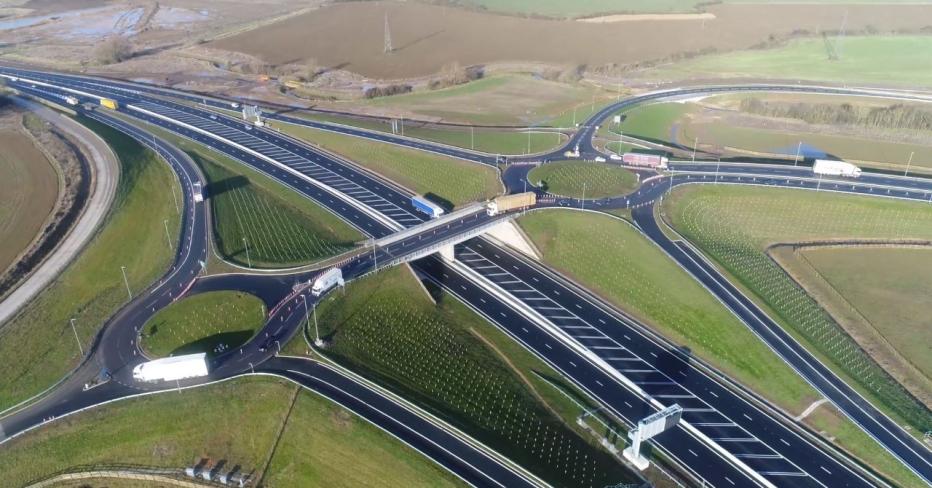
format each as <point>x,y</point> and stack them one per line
<point>126,282</point>
<point>317,342</point>
<point>80,348</point>
<point>798,149</point>
<point>245,245</point>
<point>582,203</point>
<point>909,163</point>
<point>695,144</point>
<point>472,137</point>
<point>168,236</point>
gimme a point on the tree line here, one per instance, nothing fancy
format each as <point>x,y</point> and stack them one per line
<point>897,116</point>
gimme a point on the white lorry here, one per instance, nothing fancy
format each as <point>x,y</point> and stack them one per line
<point>198,191</point>
<point>172,368</point>
<point>830,167</point>
<point>332,277</point>
<point>70,100</point>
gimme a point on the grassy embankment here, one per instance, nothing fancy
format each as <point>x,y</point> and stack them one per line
<point>685,123</point>
<point>202,322</point>
<point>37,346</point>
<point>883,60</point>
<point>236,421</point>
<point>735,226</point>
<point>452,180</point>
<point>581,179</point>
<point>455,364</point>
<point>507,100</point>
<point>281,227</point>
<point>637,277</point>
<point>880,299</point>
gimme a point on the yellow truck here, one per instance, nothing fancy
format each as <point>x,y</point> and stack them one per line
<point>510,202</point>
<point>108,103</point>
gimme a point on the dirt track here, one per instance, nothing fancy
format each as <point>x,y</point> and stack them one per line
<point>425,38</point>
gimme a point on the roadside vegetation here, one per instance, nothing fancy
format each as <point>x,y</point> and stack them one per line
<point>488,140</point>
<point>450,361</point>
<point>581,179</point>
<point>452,180</point>
<point>613,259</point>
<point>203,323</point>
<point>879,297</point>
<point>280,227</point>
<point>735,226</point>
<point>893,60</point>
<point>238,422</point>
<point>38,345</point>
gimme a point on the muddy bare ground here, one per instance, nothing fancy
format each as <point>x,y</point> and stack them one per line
<point>425,38</point>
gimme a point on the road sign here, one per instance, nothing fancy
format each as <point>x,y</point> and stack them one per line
<point>648,427</point>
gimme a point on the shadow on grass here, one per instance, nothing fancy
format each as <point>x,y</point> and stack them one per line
<point>207,344</point>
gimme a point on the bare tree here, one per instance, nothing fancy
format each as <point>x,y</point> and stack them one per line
<point>113,50</point>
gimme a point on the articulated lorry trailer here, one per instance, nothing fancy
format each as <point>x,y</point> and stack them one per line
<point>330,278</point>
<point>109,103</point>
<point>510,202</point>
<point>645,160</point>
<point>830,167</point>
<point>172,368</point>
<point>426,206</point>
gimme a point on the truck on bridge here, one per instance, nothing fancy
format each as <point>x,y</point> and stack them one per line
<point>426,206</point>
<point>505,203</point>
<point>172,368</point>
<point>829,167</point>
<point>109,103</point>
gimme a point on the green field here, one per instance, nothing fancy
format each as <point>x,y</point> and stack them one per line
<point>734,225</point>
<point>640,279</point>
<point>452,180</point>
<point>584,8</point>
<point>582,179</point>
<point>236,421</point>
<point>492,141</point>
<point>653,121</point>
<point>864,151</point>
<point>202,322</point>
<point>37,346</point>
<point>883,60</point>
<point>279,227</point>
<point>888,295</point>
<point>513,100</point>
<point>386,328</point>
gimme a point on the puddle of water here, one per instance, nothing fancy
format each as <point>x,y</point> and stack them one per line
<point>806,151</point>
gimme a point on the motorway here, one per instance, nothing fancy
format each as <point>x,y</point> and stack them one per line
<point>748,434</point>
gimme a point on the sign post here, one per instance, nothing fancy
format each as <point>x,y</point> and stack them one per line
<point>648,427</point>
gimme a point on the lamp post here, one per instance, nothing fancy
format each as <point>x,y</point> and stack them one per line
<point>126,282</point>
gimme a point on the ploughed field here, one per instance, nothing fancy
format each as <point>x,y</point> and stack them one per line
<point>425,38</point>
<point>29,188</point>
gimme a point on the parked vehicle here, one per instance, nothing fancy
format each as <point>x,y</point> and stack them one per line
<point>599,159</point>
<point>510,202</point>
<point>426,206</point>
<point>830,167</point>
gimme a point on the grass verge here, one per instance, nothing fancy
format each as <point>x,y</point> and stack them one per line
<point>202,323</point>
<point>892,60</point>
<point>455,181</point>
<point>637,277</point>
<point>281,227</point>
<point>37,346</point>
<point>236,421</point>
<point>735,225</point>
<point>386,328</point>
<point>582,179</point>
